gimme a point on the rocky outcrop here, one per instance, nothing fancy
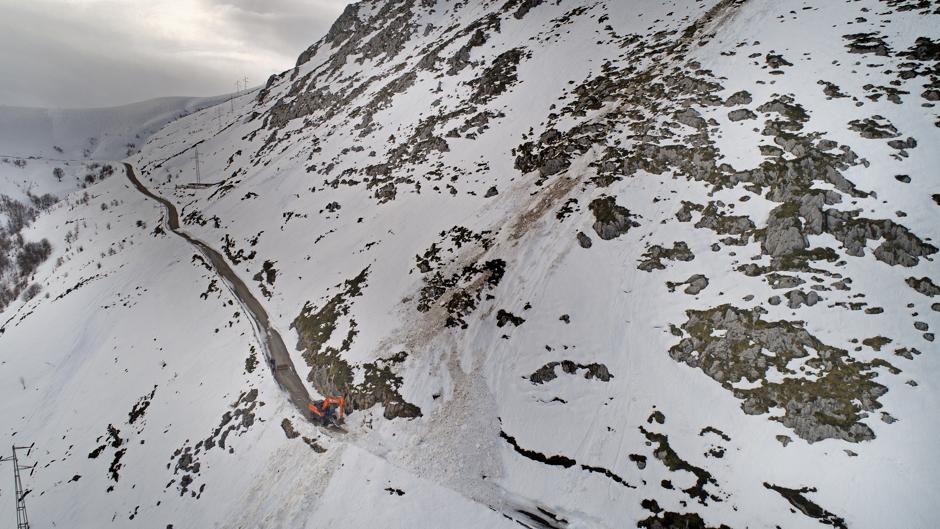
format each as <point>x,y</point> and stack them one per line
<point>694,284</point>
<point>741,114</point>
<point>653,258</point>
<point>923,285</point>
<point>610,219</point>
<point>330,373</point>
<point>547,372</point>
<point>798,298</point>
<point>728,344</point>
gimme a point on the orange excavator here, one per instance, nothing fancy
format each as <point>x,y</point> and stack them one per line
<point>331,411</point>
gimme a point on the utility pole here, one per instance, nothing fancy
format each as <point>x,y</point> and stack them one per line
<point>197,164</point>
<point>245,84</point>
<point>22,520</point>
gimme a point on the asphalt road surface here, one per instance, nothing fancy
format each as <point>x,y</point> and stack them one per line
<point>278,359</point>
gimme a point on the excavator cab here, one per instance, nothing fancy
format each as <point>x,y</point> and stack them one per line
<point>331,411</point>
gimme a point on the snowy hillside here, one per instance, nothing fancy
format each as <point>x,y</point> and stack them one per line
<point>573,264</point>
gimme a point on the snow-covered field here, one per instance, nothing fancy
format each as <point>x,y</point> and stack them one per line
<point>574,264</point>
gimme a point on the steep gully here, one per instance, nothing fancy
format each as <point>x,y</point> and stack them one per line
<point>276,353</point>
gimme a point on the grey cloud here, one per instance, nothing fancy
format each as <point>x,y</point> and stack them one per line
<point>56,53</point>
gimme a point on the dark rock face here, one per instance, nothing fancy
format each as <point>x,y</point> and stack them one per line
<point>496,79</point>
<point>522,7</point>
<point>675,520</point>
<point>694,284</point>
<point>653,258</point>
<point>776,61</point>
<point>504,317</point>
<point>741,114</point>
<point>899,246</point>
<point>809,508</point>
<point>923,285</point>
<point>874,128</point>
<point>797,298</point>
<point>547,373</point>
<point>610,220</point>
<point>867,43</point>
<point>741,97</point>
<point>584,240</point>
<point>288,428</point>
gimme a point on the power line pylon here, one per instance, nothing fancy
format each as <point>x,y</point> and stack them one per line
<point>22,520</point>
<point>197,165</point>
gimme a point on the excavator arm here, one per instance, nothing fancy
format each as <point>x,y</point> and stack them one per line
<point>324,406</point>
<point>339,401</point>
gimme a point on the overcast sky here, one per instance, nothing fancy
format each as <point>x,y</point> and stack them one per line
<point>87,53</point>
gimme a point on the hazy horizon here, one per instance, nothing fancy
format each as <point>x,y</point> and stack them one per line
<point>103,53</point>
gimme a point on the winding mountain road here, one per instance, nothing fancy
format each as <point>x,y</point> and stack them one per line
<point>276,354</point>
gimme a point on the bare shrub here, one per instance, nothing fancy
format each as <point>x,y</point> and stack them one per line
<point>31,291</point>
<point>32,255</point>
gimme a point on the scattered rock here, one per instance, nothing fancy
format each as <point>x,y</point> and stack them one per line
<point>923,285</point>
<point>741,114</point>
<point>503,317</point>
<point>288,428</point>
<point>584,240</point>
<point>652,259</point>
<point>695,284</point>
<point>547,372</point>
<point>797,298</point>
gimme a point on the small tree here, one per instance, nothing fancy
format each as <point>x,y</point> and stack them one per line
<point>58,173</point>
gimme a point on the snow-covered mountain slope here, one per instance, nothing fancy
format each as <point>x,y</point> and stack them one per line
<point>46,154</point>
<point>91,133</point>
<point>574,264</point>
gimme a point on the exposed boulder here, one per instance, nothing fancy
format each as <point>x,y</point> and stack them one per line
<point>610,219</point>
